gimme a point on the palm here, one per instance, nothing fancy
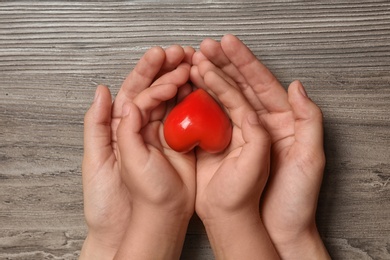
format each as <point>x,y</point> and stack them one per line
<point>140,137</point>
<point>215,178</point>
<point>230,180</point>
<point>279,206</point>
<point>164,172</point>
<point>112,199</point>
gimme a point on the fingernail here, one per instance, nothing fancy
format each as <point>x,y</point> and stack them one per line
<point>125,110</point>
<point>253,119</point>
<point>302,90</point>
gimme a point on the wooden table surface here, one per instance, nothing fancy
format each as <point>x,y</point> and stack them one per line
<point>53,54</point>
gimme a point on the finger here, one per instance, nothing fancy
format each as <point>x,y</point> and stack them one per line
<point>308,117</point>
<point>151,98</point>
<point>183,91</point>
<point>266,87</point>
<point>198,57</point>
<point>213,51</point>
<point>199,71</point>
<point>186,88</point>
<point>195,76</point>
<point>130,142</point>
<point>255,154</point>
<point>231,98</point>
<point>206,66</point>
<point>178,77</point>
<point>97,124</point>
<point>188,54</point>
<point>163,89</point>
<point>197,79</point>
<point>174,55</point>
<point>140,78</point>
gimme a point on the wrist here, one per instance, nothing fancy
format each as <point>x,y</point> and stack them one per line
<point>239,235</point>
<point>160,219</point>
<point>305,245</point>
<point>95,248</point>
<point>216,211</point>
<point>154,234</point>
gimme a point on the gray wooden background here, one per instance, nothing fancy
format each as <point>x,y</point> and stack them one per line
<point>53,54</point>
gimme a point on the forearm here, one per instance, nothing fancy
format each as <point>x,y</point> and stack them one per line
<point>240,236</point>
<point>154,235</point>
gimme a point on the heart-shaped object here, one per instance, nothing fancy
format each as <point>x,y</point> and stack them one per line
<point>198,121</point>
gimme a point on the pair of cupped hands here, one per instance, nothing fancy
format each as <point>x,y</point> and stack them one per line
<point>257,199</point>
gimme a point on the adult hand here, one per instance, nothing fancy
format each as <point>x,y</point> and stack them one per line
<point>107,202</point>
<point>294,123</point>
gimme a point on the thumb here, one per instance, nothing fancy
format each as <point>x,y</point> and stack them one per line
<point>131,145</point>
<point>97,126</point>
<point>255,154</point>
<point>308,117</point>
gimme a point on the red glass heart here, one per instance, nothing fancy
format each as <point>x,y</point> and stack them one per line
<point>198,121</point>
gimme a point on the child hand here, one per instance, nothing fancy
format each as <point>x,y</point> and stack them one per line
<point>154,173</point>
<point>230,183</point>
<point>161,181</point>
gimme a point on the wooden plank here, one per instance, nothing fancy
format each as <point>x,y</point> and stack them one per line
<point>53,54</point>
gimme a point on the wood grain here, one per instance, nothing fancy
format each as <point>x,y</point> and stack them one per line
<point>53,54</point>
